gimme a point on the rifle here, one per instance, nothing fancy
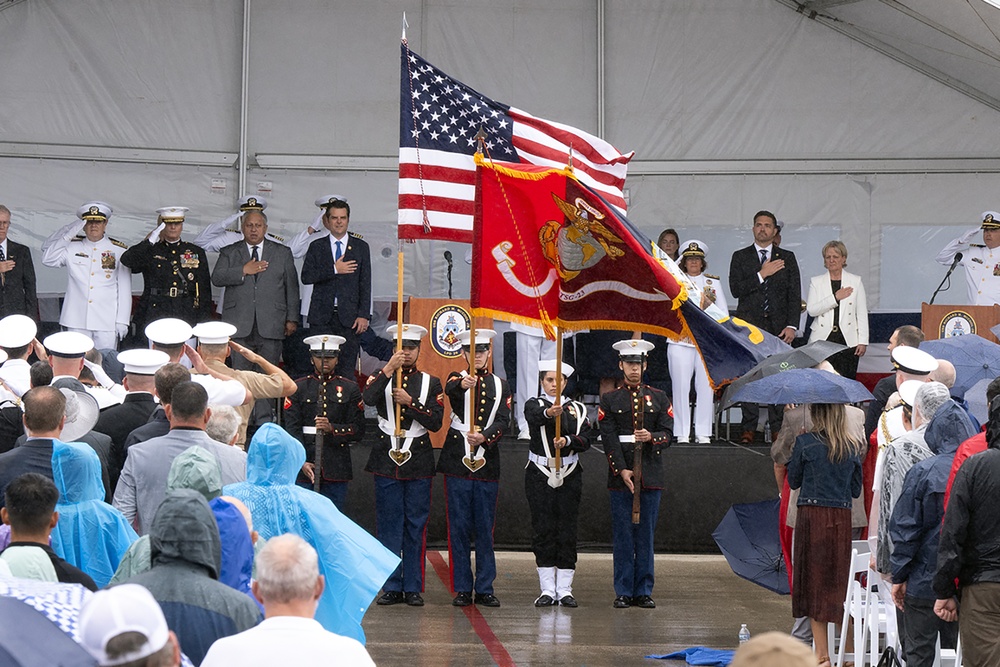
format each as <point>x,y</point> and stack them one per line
<point>637,466</point>
<point>318,441</point>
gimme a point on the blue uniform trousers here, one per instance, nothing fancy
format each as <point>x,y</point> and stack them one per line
<point>401,510</point>
<point>632,548</point>
<point>472,509</point>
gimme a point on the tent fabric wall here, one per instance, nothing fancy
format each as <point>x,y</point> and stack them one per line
<point>729,81</point>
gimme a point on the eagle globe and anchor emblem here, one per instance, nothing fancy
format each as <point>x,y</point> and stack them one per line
<point>578,242</point>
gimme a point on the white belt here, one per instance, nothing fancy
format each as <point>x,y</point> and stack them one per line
<point>626,438</point>
<point>415,431</point>
<point>566,461</point>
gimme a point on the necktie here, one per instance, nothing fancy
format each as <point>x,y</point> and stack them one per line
<point>3,258</point>
<point>763,287</point>
<point>255,256</point>
<point>340,252</point>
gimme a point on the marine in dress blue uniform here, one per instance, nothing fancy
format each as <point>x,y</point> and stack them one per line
<point>470,462</point>
<point>404,466</point>
<point>554,492</point>
<point>635,414</point>
<point>332,404</point>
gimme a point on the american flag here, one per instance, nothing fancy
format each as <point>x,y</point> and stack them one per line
<point>439,118</point>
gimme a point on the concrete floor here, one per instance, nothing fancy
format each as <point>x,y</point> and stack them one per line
<point>699,602</point>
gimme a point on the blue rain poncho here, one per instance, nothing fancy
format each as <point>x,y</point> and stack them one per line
<point>353,562</point>
<point>91,534</point>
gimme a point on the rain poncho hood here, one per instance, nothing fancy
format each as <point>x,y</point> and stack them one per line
<point>91,534</point>
<point>237,547</point>
<point>353,562</point>
<point>196,468</point>
<point>948,429</point>
<point>184,529</point>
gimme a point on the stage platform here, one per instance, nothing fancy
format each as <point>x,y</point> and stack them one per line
<point>702,482</point>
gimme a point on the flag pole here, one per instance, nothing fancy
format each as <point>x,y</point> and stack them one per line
<point>559,389</point>
<point>399,336</point>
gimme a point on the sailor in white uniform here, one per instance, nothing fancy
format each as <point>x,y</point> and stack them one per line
<point>981,262</point>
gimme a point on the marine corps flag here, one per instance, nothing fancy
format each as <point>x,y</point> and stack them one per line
<point>549,251</point>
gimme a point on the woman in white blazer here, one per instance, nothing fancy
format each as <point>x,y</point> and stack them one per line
<point>837,302</point>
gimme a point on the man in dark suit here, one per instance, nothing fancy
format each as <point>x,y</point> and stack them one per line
<point>339,267</point>
<point>17,274</point>
<point>261,296</point>
<point>118,421</point>
<point>765,280</point>
<point>44,416</point>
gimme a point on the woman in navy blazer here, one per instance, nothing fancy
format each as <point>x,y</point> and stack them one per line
<point>838,303</point>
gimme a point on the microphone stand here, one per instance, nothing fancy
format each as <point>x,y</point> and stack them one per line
<point>951,269</point>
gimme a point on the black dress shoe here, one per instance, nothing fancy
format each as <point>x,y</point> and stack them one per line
<point>568,601</point>
<point>414,599</point>
<point>545,601</point>
<point>390,597</point>
<point>622,602</point>
<point>487,600</point>
<point>643,602</point>
<point>462,600</point>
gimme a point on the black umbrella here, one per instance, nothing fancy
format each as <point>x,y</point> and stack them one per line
<point>748,538</point>
<point>806,356</point>
<point>28,638</point>
<point>803,385</point>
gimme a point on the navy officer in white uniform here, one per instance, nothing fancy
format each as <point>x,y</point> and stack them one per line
<point>98,299</point>
<point>981,261</point>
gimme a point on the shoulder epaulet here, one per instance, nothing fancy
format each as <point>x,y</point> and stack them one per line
<point>355,235</point>
<point>976,245</point>
<point>120,244</point>
<point>709,275</point>
<point>277,238</point>
<point>78,237</point>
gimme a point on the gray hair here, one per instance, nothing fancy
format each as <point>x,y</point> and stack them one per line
<point>223,423</point>
<point>287,570</point>
<point>930,397</point>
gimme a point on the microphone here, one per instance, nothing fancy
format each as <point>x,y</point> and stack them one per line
<point>954,263</point>
<point>448,258</point>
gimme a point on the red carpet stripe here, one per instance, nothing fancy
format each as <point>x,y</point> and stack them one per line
<point>479,624</point>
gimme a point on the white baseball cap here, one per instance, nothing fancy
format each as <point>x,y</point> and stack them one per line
<point>120,609</point>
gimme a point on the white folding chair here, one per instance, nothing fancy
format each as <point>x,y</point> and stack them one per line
<point>948,657</point>
<point>856,604</point>
<point>880,625</point>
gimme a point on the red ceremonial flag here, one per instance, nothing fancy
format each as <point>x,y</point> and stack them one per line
<point>549,251</point>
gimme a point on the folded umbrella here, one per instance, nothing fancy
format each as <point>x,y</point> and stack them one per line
<point>748,538</point>
<point>801,386</point>
<point>974,357</point>
<point>806,356</point>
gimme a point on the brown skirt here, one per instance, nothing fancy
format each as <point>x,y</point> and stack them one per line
<point>821,562</point>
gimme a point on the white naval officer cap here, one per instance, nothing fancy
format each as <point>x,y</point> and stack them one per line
<point>168,331</point>
<point>908,392</point>
<point>991,220</point>
<point>326,201</point>
<point>94,211</point>
<point>412,333</point>
<point>913,361</point>
<point>483,338</point>
<point>694,248</point>
<point>549,366</point>
<point>142,361</point>
<point>253,203</point>
<point>68,344</point>
<point>214,333</point>
<point>172,213</point>
<point>324,345</point>
<point>633,349</point>
<point>17,331</point>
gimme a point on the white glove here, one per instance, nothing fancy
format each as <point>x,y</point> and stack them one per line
<point>317,224</point>
<point>969,235</point>
<point>102,378</point>
<point>155,236</point>
<point>121,330</point>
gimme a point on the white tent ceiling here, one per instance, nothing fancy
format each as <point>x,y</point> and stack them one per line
<point>870,120</point>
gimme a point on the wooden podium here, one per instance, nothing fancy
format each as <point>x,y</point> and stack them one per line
<point>440,353</point>
<point>944,321</point>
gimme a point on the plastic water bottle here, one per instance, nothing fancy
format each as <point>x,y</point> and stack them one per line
<point>744,634</point>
